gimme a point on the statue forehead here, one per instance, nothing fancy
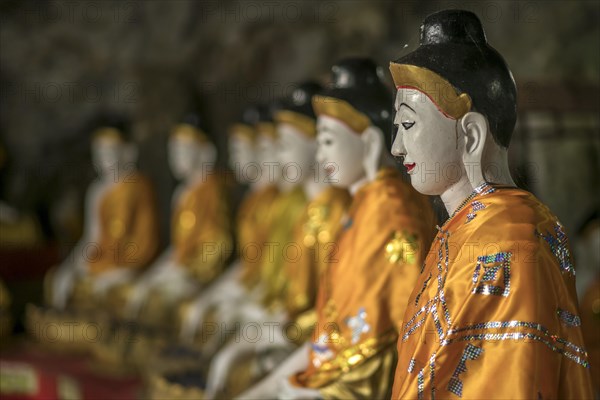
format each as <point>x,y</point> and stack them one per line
<point>412,97</point>
<point>328,124</point>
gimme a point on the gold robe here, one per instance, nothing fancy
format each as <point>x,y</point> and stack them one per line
<point>254,220</point>
<point>363,294</point>
<point>315,239</point>
<point>494,312</point>
<point>287,211</point>
<point>201,236</point>
<point>128,227</point>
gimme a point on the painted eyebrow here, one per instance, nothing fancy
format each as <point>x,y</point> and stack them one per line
<point>409,107</point>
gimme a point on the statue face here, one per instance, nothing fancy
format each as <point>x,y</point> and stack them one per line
<point>431,143</point>
<point>341,152</point>
<point>183,156</point>
<point>266,155</point>
<point>241,156</point>
<point>296,153</point>
<point>107,155</point>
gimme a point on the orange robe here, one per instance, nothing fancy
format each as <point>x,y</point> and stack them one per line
<point>494,312</point>
<point>255,217</point>
<point>201,236</point>
<point>363,294</point>
<point>287,211</point>
<point>128,227</point>
<point>315,239</point>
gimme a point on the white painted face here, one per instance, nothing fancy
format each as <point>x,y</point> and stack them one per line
<point>242,159</point>
<point>296,154</point>
<point>266,156</point>
<point>341,152</point>
<point>430,142</point>
<point>184,155</point>
<point>107,156</point>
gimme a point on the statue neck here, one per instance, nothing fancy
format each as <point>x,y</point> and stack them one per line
<point>494,170</point>
<point>313,187</point>
<point>495,166</point>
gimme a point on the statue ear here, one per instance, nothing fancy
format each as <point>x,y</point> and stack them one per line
<point>475,129</point>
<point>372,138</point>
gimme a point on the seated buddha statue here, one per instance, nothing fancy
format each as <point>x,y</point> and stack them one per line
<point>200,234</point>
<point>494,311</point>
<point>120,235</point>
<point>308,254</point>
<point>251,148</point>
<point>363,291</point>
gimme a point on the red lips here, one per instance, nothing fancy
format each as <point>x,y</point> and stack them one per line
<point>410,166</point>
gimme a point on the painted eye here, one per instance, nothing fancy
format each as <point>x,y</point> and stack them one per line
<point>407,125</point>
<point>328,142</point>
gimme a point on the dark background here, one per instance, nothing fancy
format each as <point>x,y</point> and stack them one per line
<point>62,62</point>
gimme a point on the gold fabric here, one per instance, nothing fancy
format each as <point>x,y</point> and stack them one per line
<point>190,132</point>
<point>341,110</point>
<point>128,227</point>
<point>243,130</point>
<point>439,90</point>
<point>108,133</point>
<point>287,211</point>
<point>267,129</point>
<point>363,293</point>
<point>254,220</point>
<point>201,236</point>
<point>305,124</point>
<point>494,312</point>
<point>315,236</point>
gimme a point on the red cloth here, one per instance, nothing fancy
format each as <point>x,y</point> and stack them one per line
<point>53,370</point>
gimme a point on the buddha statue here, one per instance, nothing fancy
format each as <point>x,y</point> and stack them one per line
<point>363,291</point>
<point>290,275</point>
<point>251,148</point>
<point>200,234</point>
<point>120,235</point>
<point>494,312</point>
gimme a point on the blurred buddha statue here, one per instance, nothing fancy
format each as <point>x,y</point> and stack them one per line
<point>200,234</point>
<point>251,148</point>
<point>494,311</point>
<point>287,154</point>
<point>364,289</point>
<point>120,234</point>
<point>587,254</point>
<point>306,256</point>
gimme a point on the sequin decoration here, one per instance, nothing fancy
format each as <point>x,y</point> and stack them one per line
<point>411,365</point>
<point>540,334</point>
<point>568,318</point>
<point>358,324</point>
<point>560,247</point>
<point>500,265</point>
<point>470,353</point>
<point>321,352</point>
<point>420,384</point>
<point>484,189</point>
<point>439,301</point>
<point>432,375</point>
<point>475,206</point>
<point>425,283</point>
<point>402,247</point>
